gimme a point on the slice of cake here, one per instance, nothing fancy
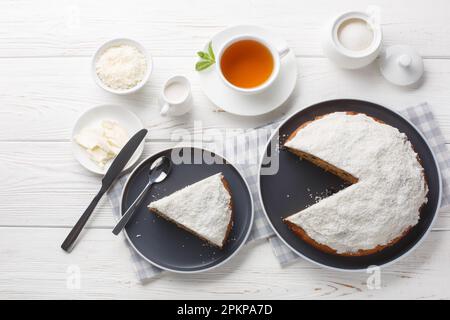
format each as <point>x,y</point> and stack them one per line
<point>388,184</point>
<point>203,208</point>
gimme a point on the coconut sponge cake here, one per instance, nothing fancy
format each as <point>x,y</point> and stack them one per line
<point>203,208</point>
<point>388,184</point>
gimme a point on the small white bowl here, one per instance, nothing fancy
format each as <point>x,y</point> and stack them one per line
<point>344,57</point>
<point>117,42</point>
<point>90,118</point>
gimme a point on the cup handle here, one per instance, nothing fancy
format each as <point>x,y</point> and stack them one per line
<point>164,109</point>
<point>374,13</point>
<point>283,51</point>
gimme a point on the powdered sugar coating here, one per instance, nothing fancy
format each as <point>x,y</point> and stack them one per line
<point>203,207</point>
<point>391,186</point>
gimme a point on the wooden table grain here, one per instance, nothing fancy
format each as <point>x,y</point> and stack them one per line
<point>45,83</point>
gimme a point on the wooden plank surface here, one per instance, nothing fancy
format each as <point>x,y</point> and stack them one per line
<point>38,269</point>
<point>45,106</point>
<point>45,84</point>
<point>179,28</point>
<point>34,171</point>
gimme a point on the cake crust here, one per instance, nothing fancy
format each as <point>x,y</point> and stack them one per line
<point>299,232</point>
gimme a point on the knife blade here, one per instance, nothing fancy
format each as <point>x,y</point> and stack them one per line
<point>111,175</point>
<point>122,158</point>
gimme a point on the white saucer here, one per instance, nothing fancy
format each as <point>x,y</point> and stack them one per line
<point>249,105</point>
<point>125,118</point>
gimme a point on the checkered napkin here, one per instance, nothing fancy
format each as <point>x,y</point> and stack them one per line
<point>420,115</point>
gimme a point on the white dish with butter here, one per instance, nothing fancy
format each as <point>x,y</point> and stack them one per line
<point>99,134</point>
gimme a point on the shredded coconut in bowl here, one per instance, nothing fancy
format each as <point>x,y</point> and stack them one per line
<point>121,67</point>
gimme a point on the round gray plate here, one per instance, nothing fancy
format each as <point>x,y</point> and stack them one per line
<point>164,244</point>
<point>301,179</point>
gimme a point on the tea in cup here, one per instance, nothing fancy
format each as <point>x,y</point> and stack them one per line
<point>249,64</point>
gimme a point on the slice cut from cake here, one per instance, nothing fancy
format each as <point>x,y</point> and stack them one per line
<point>388,184</point>
<point>203,208</point>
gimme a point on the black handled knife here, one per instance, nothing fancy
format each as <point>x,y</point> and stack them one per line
<point>113,172</point>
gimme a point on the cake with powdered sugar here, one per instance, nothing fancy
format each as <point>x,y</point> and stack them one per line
<point>388,184</point>
<point>204,209</point>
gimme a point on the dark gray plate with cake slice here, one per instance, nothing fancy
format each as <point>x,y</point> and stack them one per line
<point>164,243</point>
<point>297,183</point>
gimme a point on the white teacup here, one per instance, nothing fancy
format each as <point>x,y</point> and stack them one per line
<point>176,98</point>
<point>277,55</point>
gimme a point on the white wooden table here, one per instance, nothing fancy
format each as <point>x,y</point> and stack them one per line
<point>45,83</point>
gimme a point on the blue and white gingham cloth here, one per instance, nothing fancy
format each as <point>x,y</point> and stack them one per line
<point>421,116</point>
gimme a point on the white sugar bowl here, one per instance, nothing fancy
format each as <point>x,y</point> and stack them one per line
<point>353,40</point>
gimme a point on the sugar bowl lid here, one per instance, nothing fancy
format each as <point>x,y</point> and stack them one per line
<point>401,65</point>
